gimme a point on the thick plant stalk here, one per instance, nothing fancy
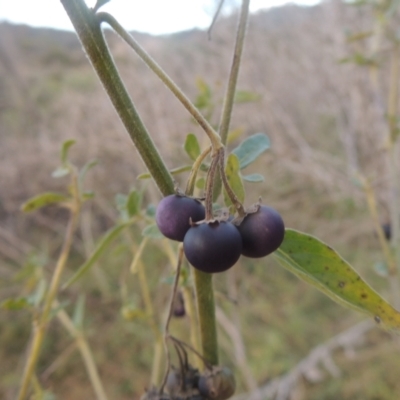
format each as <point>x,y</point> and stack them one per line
<point>88,29</point>
<point>206,312</point>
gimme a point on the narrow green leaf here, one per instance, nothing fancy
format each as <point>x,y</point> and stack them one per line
<point>232,171</point>
<point>192,146</point>
<point>88,195</point>
<point>65,149</point>
<point>251,148</point>
<point>105,241</point>
<point>174,171</point>
<point>321,266</point>
<point>42,200</point>
<point>152,231</point>
<point>253,178</point>
<point>134,203</point>
<point>79,312</point>
<point>16,304</point>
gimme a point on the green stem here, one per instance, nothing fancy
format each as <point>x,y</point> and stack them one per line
<point>40,324</point>
<point>86,353</point>
<point>229,97</point>
<point>213,136</point>
<point>89,32</point>
<point>195,169</point>
<point>206,312</point>
<point>234,73</point>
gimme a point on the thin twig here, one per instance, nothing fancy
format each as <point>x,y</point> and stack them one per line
<point>169,316</point>
<point>208,129</point>
<point>215,17</point>
<point>282,386</point>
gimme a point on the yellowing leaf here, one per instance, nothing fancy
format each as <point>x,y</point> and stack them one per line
<point>321,266</point>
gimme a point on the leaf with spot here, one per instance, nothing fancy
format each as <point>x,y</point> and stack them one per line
<point>321,266</point>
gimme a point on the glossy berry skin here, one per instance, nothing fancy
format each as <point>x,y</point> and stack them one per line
<point>213,247</point>
<point>262,232</point>
<point>174,213</point>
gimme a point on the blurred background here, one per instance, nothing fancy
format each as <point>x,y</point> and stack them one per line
<point>316,80</point>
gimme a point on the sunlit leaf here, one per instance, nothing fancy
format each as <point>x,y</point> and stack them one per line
<point>103,244</point>
<point>321,266</point>
<point>253,178</point>
<point>251,148</point>
<point>42,200</point>
<point>232,171</point>
<point>65,149</point>
<point>192,146</point>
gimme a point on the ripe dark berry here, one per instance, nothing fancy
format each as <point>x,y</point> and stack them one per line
<point>174,213</point>
<point>262,232</point>
<point>213,247</point>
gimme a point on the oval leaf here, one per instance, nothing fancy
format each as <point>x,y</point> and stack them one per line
<point>253,178</point>
<point>232,169</point>
<point>42,200</point>
<point>248,151</point>
<point>134,203</point>
<point>192,146</point>
<point>321,266</point>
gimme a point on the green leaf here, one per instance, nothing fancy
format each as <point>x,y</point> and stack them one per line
<point>88,195</point>
<point>248,151</point>
<point>60,172</point>
<point>174,171</point>
<point>36,298</point>
<point>204,98</point>
<point>244,96</point>
<point>65,149</point>
<point>15,304</point>
<point>151,210</point>
<point>79,312</point>
<point>43,200</point>
<point>152,231</point>
<point>105,241</point>
<point>321,266</point>
<point>192,146</point>
<point>232,171</point>
<point>134,203</point>
<point>253,178</point>
<point>201,183</point>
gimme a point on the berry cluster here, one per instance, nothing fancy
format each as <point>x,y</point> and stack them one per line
<point>216,245</point>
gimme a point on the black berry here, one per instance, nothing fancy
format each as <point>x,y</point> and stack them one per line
<point>174,213</point>
<point>262,232</point>
<point>213,247</point>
